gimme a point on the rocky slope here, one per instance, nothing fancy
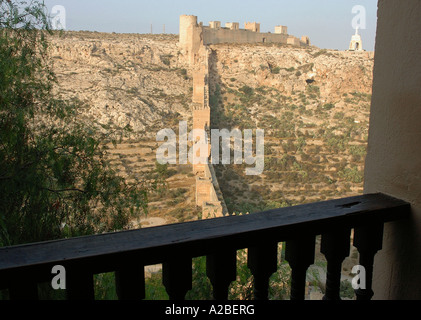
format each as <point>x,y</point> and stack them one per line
<point>287,68</point>
<point>126,79</point>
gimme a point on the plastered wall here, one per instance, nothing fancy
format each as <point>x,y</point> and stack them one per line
<point>393,163</point>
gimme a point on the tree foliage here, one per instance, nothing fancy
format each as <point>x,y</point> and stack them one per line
<point>54,178</point>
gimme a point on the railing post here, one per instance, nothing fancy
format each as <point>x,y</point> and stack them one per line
<point>262,262</point>
<point>368,240</point>
<point>177,277</point>
<point>300,255</point>
<point>130,282</point>
<point>79,283</point>
<point>335,246</point>
<point>221,269</point>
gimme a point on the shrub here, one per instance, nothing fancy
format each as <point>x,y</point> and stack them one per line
<point>312,89</point>
<point>248,91</point>
<point>339,115</point>
<point>328,106</point>
<point>358,152</point>
<point>301,143</point>
<point>321,52</point>
<point>166,59</point>
<point>352,175</point>
<point>275,70</point>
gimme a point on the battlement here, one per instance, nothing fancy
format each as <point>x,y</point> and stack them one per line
<point>252,26</point>
<point>232,25</point>
<point>215,24</point>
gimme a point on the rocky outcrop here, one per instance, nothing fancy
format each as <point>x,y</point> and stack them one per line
<point>125,79</point>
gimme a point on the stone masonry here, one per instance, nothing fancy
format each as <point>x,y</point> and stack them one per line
<point>208,194</point>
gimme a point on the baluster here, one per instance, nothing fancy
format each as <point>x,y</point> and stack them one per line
<point>221,269</point>
<point>335,246</point>
<point>130,282</point>
<point>177,277</point>
<point>79,284</point>
<point>23,288</point>
<point>263,262</point>
<point>368,240</point>
<point>300,255</point>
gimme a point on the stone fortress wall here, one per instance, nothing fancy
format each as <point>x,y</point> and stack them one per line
<point>193,42</point>
<point>194,35</point>
<point>208,193</point>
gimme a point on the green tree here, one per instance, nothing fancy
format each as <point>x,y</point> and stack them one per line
<point>55,181</point>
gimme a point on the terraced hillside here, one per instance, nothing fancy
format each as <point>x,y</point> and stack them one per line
<point>171,203</point>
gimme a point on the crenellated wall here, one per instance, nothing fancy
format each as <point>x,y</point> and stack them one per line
<point>193,35</point>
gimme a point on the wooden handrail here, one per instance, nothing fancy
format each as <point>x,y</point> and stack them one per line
<point>164,244</point>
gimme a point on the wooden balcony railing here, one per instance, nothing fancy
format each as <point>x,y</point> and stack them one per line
<point>126,253</point>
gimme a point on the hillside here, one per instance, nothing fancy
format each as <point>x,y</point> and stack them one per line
<point>135,81</point>
<point>126,79</point>
<point>314,106</point>
<point>315,130</point>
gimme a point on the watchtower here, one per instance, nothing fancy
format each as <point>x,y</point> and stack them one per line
<point>187,23</point>
<point>190,36</point>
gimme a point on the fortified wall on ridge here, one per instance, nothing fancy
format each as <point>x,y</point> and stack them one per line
<point>194,41</point>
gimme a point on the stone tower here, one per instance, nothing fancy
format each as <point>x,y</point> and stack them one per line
<point>191,39</point>
<point>356,42</point>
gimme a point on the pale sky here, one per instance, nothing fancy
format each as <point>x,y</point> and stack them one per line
<point>328,23</point>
